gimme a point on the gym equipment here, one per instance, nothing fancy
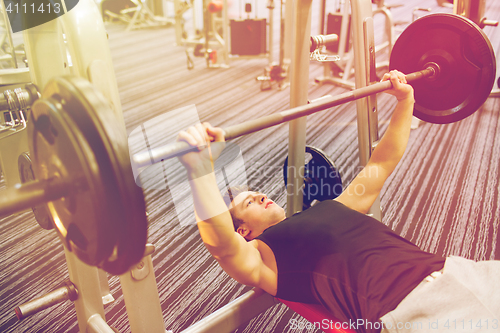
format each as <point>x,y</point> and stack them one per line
<point>7,45</point>
<point>417,10</point>
<point>9,53</point>
<point>445,3</point>
<point>334,26</point>
<point>215,41</point>
<point>466,77</point>
<point>277,72</point>
<point>441,70</point>
<point>390,24</point>
<point>248,36</point>
<point>83,200</point>
<point>207,42</point>
<point>26,174</point>
<point>83,174</point>
<point>67,292</point>
<point>137,15</point>
<point>473,10</point>
<point>54,100</point>
<point>211,29</point>
<point>180,8</point>
<point>69,45</point>
<point>319,41</point>
<point>251,126</point>
<point>322,180</point>
<point>340,71</point>
<point>14,104</point>
<point>339,23</point>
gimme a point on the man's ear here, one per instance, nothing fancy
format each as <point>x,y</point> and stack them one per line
<point>243,230</point>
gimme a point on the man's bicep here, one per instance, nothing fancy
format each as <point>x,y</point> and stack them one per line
<point>364,189</point>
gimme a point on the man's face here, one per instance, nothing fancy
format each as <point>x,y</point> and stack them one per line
<point>258,213</point>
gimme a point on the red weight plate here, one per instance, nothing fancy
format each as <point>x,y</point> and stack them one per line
<point>466,60</point>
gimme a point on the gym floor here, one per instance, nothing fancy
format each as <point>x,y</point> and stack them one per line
<point>444,195</point>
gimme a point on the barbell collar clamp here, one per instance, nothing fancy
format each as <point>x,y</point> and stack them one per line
<point>19,98</point>
<point>317,42</point>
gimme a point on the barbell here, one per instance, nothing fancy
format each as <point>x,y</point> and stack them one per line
<point>84,172</point>
<point>452,69</point>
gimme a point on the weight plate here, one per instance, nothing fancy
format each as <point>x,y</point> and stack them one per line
<point>41,212</point>
<point>75,135</point>
<point>321,179</point>
<point>466,60</point>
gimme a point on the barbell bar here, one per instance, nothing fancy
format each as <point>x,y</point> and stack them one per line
<point>452,66</point>
<point>83,168</point>
<point>251,126</point>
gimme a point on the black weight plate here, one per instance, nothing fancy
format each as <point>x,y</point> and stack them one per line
<point>41,212</point>
<point>322,180</point>
<point>466,60</point>
<point>75,135</point>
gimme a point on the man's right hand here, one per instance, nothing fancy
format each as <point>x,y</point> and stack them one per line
<point>400,88</point>
<point>210,142</point>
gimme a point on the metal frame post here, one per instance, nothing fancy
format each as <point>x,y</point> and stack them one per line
<point>270,25</point>
<point>89,304</point>
<point>364,53</point>
<point>225,33</point>
<point>83,51</point>
<point>299,85</point>
<point>235,314</point>
<point>141,296</point>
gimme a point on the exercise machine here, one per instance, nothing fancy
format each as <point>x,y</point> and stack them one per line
<point>222,39</point>
<point>340,71</point>
<point>278,72</point>
<point>474,10</point>
<point>137,15</point>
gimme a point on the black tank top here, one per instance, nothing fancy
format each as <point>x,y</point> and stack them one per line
<point>355,266</point>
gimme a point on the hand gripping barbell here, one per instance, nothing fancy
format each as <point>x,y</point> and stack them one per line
<point>82,164</point>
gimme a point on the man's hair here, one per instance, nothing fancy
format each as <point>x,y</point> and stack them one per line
<point>231,193</point>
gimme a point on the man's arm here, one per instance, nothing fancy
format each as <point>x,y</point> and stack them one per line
<point>241,260</point>
<point>364,189</point>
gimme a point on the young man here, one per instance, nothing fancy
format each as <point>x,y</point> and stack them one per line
<point>333,254</point>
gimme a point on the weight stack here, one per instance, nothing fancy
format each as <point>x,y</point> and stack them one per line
<point>248,37</point>
<point>334,26</point>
